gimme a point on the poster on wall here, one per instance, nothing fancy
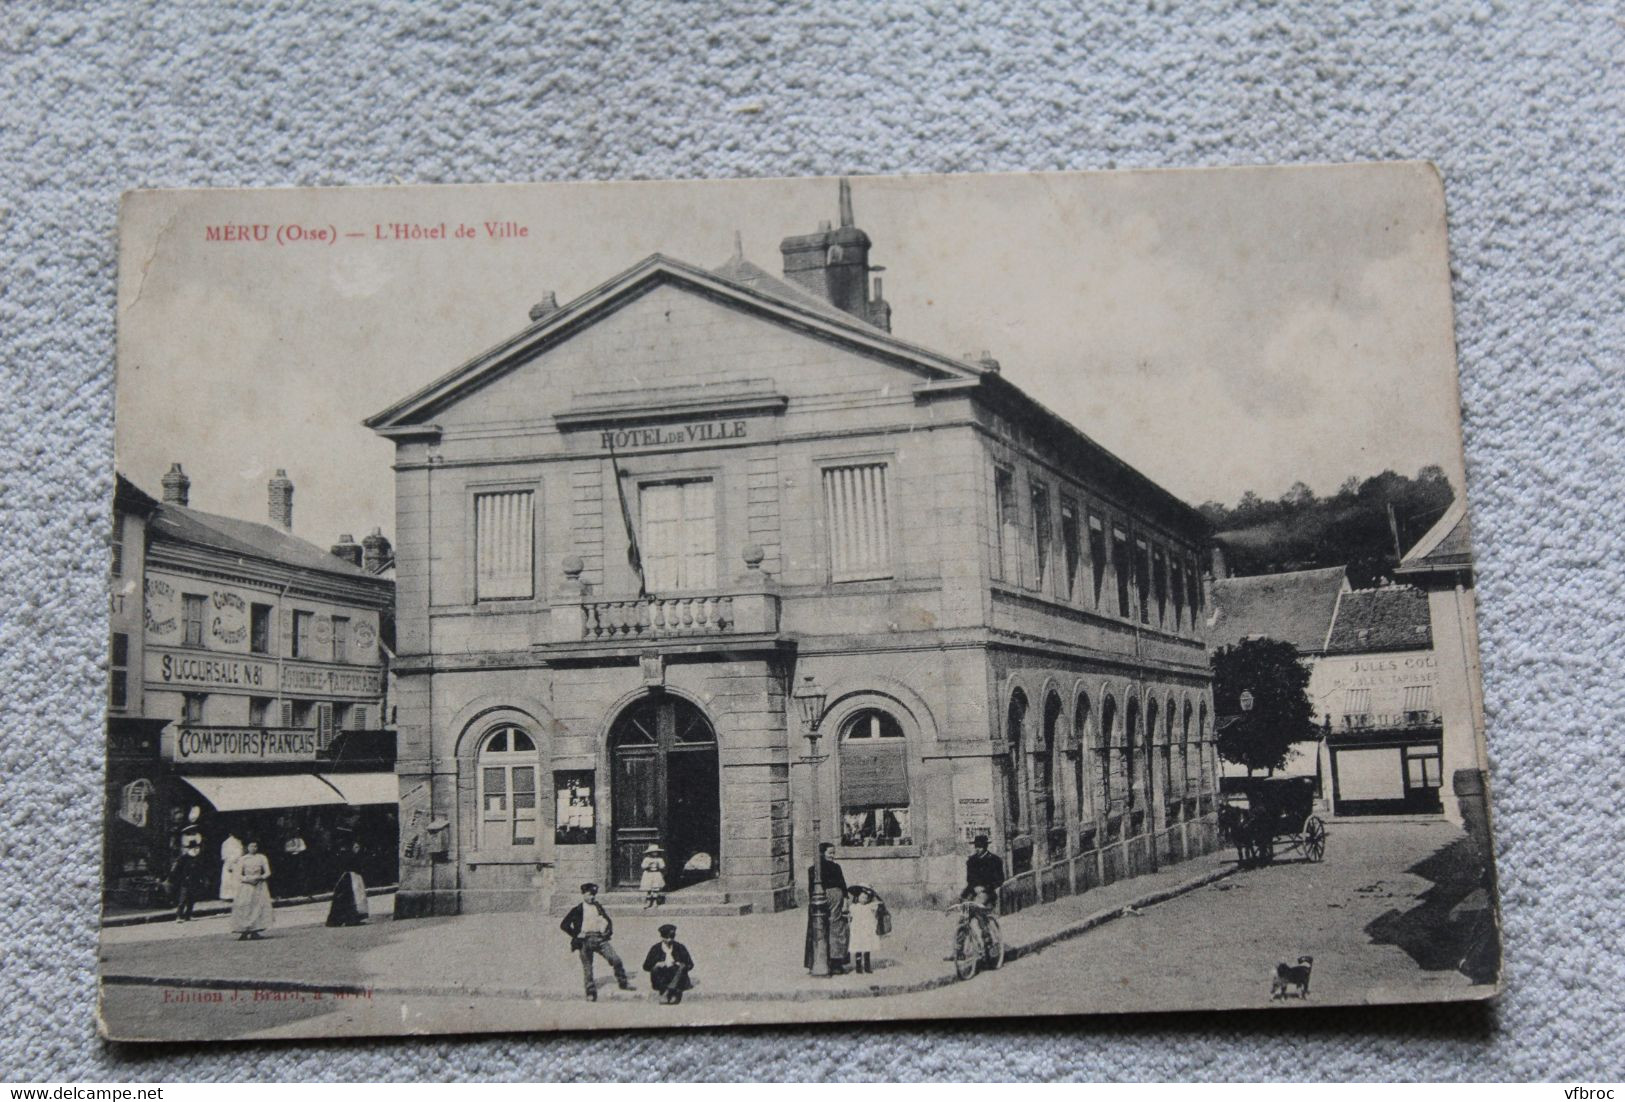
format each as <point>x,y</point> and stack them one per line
<point>576,822</point>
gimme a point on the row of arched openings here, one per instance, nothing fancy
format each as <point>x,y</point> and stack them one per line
<point>1116,757</point>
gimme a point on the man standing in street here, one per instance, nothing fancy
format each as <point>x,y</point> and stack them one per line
<point>590,929</point>
<point>983,870</point>
<point>185,875</point>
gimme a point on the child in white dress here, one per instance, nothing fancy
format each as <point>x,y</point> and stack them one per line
<point>864,907</point>
<point>653,881</point>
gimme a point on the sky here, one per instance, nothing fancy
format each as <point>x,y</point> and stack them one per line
<point>1222,330</point>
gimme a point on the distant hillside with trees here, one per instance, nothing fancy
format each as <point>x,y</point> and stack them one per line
<point>1358,527</point>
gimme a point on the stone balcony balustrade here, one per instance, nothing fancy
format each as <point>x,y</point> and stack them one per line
<point>748,607</point>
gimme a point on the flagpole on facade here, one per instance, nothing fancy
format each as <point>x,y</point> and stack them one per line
<point>634,557</point>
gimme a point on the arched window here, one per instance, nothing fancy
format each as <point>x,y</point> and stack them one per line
<point>1105,747</point>
<point>1207,765</point>
<point>1189,783</point>
<point>1153,713</point>
<point>1015,774</point>
<point>508,767</point>
<point>1131,754</point>
<point>1171,780</point>
<point>1045,794</point>
<point>1081,778</point>
<point>874,781</point>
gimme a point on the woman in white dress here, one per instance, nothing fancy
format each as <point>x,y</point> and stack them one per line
<point>231,851</point>
<point>251,912</point>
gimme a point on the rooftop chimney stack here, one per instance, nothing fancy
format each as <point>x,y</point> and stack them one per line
<point>348,550</point>
<point>376,551</point>
<point>279,496</point>
<point>834,263</point>
<point>177,487</point>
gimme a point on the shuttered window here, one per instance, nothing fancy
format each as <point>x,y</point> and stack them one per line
<point>858,508</point>
<point>677,535</point>
<point>1009,526</point>
<point>1071,548</point>
<point>1042,536</point>
<point>504,532</point>
<point>874,781</point>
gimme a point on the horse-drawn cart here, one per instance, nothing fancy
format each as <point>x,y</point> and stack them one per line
<point>1266,818</point>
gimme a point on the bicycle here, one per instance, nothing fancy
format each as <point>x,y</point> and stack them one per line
<point>978,941</point>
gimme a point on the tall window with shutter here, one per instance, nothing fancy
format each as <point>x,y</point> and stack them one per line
<point>874,781</point>
<point>1008,564</point>
<point>1097,554</point>
<point>677,535</point>
<point>1042,536</point>
<point>857,507</point>
<point>504,545</point>
<point>1071,548</point>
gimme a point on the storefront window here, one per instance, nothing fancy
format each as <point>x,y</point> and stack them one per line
<point>507,780</point>
<point>874,781</point>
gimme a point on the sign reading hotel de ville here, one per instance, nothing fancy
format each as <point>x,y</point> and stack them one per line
<point>735,522</point>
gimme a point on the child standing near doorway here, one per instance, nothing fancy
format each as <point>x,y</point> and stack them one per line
<point>653,881</point>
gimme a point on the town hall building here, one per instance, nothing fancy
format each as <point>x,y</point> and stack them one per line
<point>709,559</point>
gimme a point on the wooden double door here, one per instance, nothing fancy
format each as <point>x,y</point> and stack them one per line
<point>664,790</point>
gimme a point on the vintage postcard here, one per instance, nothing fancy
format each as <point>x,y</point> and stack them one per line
<point>604,605</point>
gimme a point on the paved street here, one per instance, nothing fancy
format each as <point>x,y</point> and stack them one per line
<point>1383,917</point>
<point>1218,946</point>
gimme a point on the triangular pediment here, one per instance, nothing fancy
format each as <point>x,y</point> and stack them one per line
<point>754,304</point>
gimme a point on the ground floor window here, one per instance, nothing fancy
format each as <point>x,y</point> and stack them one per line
<point>1422,767</point>
<point>874,781</point>
<point>507,776</point>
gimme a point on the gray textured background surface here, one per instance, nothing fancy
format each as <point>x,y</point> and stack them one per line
<point>1519,104</point>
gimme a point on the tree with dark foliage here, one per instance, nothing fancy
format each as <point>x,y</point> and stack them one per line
<point>1269,669</point>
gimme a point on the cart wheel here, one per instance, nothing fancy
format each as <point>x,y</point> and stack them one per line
<point>1314,839</point>
<point>995,948</point>
<point>967,953</point>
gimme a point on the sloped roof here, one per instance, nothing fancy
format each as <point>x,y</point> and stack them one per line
<point>1296,608</point>
<point>743,272</point>
<point>1447,546</point>
<point>245,537</point>
<point>1391,618</point>
<point>754,288</point>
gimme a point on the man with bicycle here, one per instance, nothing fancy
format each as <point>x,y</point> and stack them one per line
<point>984,876</point>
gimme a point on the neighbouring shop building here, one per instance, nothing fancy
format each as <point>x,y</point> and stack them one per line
<point>245,680</point>
<point>1002,621</point>
<point>1441,565</point>
<point>1374,689</point>
<point>1372,682</point>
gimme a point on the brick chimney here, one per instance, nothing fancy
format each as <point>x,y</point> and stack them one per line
<point>834,265</point>
<point>279,496</point>
<point>347,549</point>
<point>376,551</point>
<point>177,487</point>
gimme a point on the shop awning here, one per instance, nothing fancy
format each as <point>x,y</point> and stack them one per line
<point>361,789</point>
<point>260,793</point>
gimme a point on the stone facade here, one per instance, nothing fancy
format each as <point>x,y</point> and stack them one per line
<point>905,531</point>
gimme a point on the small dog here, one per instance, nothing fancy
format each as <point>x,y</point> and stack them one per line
<point>1288,976</point>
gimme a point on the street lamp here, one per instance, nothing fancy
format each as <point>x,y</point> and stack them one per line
<point>810,698</point>
<point>1246,700</point>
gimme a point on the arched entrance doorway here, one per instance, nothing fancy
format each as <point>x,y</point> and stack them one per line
<point>664,790</point>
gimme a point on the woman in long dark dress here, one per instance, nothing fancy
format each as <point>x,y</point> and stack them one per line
<point>840,922</point>
<point>349,906</point>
